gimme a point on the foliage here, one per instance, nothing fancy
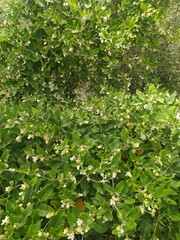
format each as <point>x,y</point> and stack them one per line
<point>52,47</point>
<point>119,154</point>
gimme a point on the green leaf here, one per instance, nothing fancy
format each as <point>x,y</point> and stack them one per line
<point>26,213</point>
<point>28,195</point>
<point>140,95</point>
<point>40,150</point>
<point>130,225</point>
<point>125,135</point>
<point>116,159</point>
<point>175,217</point>
<point>3,38</point>
<point>71,218</point>
<point>45,193</point>
<point>119,187</point>
<point>161,192</point>
<point>170,100</point>
<point>5,155</point>
<point>108,188</point>
<point>33,181</point>
<point>135,213</point>
<point>44,209</point>
<point>109,216</point>
<point>10,207</point>
<point>58,219</point>
<point>129,200</point>
<point>34,228</point>
<point>99,226</point>
<point>2,166</point>
<point>146,227</point>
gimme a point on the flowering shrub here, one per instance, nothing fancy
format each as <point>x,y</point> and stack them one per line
<point>53,46</point>
<point>106,169</point>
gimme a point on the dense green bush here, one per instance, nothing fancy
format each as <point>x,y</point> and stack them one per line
<point>54,47</point>
<point>120,153</point>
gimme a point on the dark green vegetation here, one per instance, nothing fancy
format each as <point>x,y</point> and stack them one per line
<point>56,47</point>
<point>117,154</point>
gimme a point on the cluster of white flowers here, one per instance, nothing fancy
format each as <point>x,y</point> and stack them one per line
<point>67,203</point>
<point>120,229</point>
<point>70,235</point>
<point>41,233</point>
<point>113,200</point>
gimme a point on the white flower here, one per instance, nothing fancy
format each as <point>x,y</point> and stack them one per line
<point>136,145</point>
<point>40,234</point>
<point>113,201</point>
<point>50,215</point>
<point>120,229</point>
<point>72,158</point>
<point>114,175</point>
<point>142,209</point>
<point>143,137</point>
<point>79,222</point>
<point>128,174</point>
<point>178,116</point>
<point>12,169</point>
<point>148,106</point>
<point>34,158</point>
<point>71,236</point>
<point>18,138</point>
<point>90,167</point>
<point>65,231</point>
<point>30,136</point>
<point>5,221</point>
<point>64,151</point>
<point>23,186</point>
<point>8,189</point>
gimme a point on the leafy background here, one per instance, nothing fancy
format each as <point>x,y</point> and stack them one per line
<point>89,141</point>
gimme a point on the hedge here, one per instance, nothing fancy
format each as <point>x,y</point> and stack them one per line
<point>105,169</point>
<point>56,47</point>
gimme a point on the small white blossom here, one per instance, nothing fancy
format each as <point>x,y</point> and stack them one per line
<point>114,175</point>
<point>66,231</point>
<point>8,189</point>
<point>90,167</point>
<point>18,139</point>
<point>30,136</point>
<point>5,220</point>
<point>71,236</point>
<point>178,116</point>
<point>40,234</point>
<point>128,174</point>
<point>72,158</point>
<point>64,151</point>
<point>23,187</point>
<point>120,229</point>
<point>143,137</point>
<point>113,201</point>
<point>79,222</point>
<point>50,215</point>
<point>136,145</point>
<point>71,49</point>
<point>34,158</point>
<point>142,209</point>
